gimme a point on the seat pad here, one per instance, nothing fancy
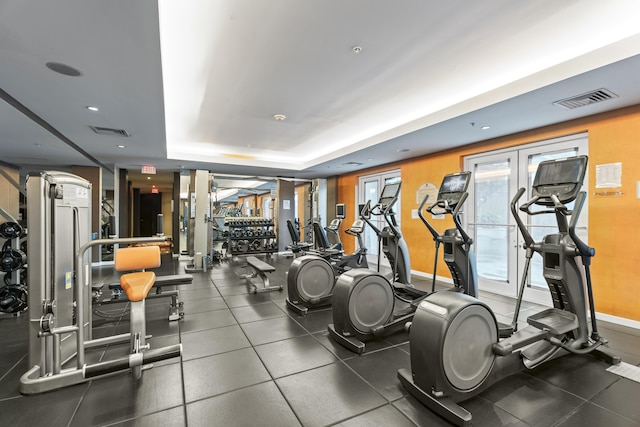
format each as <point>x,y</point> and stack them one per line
<point>137,285</point>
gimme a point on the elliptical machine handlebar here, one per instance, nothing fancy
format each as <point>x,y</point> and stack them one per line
<point>528,240</point>
<point>455,213</point>
<point>456,219</point>
<point>433,231</point>
<point>380,209</point>
<point>366,211</point>
<point>585,250</point>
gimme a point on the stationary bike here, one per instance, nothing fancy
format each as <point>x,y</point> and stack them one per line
<point>311,277</point>
<point>454,342</point>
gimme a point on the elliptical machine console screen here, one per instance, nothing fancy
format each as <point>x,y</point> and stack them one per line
<point>389,193</point>
<point>562,178</point>
<point>453,186</point>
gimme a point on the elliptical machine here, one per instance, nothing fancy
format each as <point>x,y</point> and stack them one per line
<point>455,352</point>
<point>364,300</point>
<point>458,251</point>
<point>311,277</point>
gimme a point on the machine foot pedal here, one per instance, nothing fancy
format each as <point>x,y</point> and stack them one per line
<point>296,308</point>
<point>554,320</point>
<point>350,343</point>
<point>444,406</point>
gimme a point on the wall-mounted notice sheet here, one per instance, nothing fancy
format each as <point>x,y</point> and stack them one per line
<point>609,175</point>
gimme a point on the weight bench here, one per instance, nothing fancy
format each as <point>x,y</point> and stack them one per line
<point>260,268</point>
<point>137,286</point>
<point>160,282</point>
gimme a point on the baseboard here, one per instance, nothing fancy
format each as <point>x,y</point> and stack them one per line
<point>430,276</point>
<point>618,320</point>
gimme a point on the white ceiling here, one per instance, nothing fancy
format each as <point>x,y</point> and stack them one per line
<point>196,84</point>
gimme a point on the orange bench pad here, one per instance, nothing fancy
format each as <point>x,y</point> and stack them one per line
<point>137,285</point>
<point>137,258</point>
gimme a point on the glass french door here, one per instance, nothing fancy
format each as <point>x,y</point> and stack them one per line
<point>497,176</point>
<point>369,189</point>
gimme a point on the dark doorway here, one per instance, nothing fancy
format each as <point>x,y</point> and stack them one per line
<point>150,207</point>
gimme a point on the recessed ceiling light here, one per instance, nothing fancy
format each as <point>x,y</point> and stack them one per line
<point>403,150</point>
<point>368,160</point>
<point>148,177</point>
<point>486,127</point>
<point>38,145</point>
<point>65,69</point>
<point>279,117</point>
<point>92,108</point>
<point>356,49</point>
<point>120,146</point>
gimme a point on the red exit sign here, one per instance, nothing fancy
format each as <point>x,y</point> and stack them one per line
<point>155,191</point>
<point>149,169</point>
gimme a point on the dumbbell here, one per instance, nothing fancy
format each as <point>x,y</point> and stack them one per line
<point>13,298</point>
<point>12,259</point>
<point>8,280</point>
<point>10,230</point>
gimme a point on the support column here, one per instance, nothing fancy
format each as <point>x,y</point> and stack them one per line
<point>124,205</point>
<point>332,198</point>
<point>200,222</point>
<point>320,201</point>
<point>136,212</point>
<point>175,213</point>
<point>93,174</point>
<point>285,211</point>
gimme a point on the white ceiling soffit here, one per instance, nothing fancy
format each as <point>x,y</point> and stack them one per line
<point>421,63</point>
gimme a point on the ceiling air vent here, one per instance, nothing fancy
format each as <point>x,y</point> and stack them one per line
<point>585,99</point>
<point>109,131</point>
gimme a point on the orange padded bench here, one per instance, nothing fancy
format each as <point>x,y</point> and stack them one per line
<point>137,285</point>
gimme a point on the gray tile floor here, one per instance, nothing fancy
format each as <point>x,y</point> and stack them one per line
<point>248,361</point>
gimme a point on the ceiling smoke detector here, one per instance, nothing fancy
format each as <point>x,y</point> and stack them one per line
<point>586,99</point>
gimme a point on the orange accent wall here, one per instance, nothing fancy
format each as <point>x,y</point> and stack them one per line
<point>613,221</point>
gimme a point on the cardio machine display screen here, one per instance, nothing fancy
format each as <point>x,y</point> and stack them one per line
<point>455,183</point>
<point>389,193</point>
<point>567,171</point>
<point>453,186</point>
<point>562,178</point>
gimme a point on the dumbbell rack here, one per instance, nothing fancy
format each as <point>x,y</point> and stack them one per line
<point>251,235</point>
<point>13,292</point>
